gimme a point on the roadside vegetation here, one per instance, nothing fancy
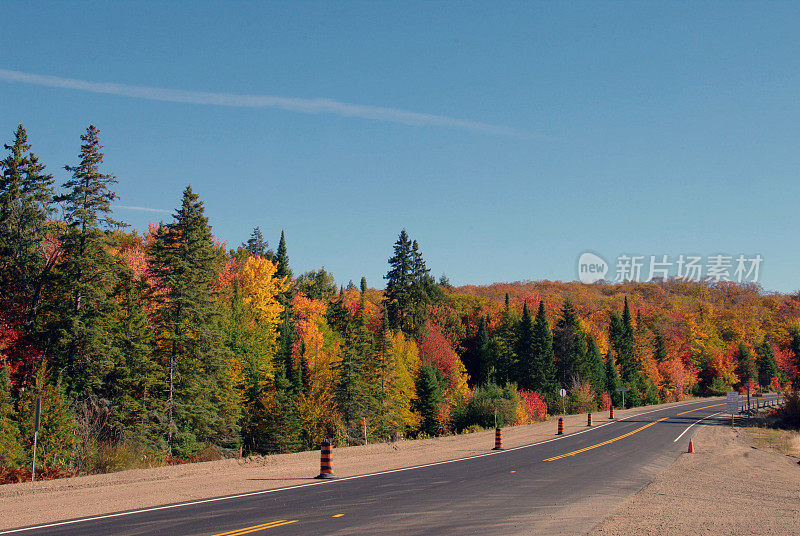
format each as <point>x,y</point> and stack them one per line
<point>170,346</point>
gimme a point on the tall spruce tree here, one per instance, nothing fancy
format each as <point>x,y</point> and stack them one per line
<point>767,366</point>
<point>543,377</point>
<point>595,368</point>
<point>482,353</point>
<point>354,393</point>
<point>26,196</point>
<point>184,264</point>
<point>409,286</point>
<point>622,336</point>
<point>613,381</point>
<point>569,347</point>
<point>795,347</point>
<point>256,245</point>
<point>88,274</point>
<point>429,398</point>
<point>282,259</point>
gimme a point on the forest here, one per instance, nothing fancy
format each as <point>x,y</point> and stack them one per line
<point>169,345</point>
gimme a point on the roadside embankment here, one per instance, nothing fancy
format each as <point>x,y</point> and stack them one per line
<point>727,487</point>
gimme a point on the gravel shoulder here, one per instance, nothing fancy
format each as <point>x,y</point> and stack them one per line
<point>726,487</point>
<point>57,500</point>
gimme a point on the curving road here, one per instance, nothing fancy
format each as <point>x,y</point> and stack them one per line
<point>564,485</point>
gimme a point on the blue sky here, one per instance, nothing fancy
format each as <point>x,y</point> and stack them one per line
<point>548,129</point>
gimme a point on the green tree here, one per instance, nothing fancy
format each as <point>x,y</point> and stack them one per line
<point>26,195</point>
<point>409,287</point>
<point>355,395</point>
<point>282,259</point>
<point>622,335</point>
<point>543,377</point>
<point>660,350</point>
<point>89,273</point>
<point>613,381</point>
<point>10,441</point>
<point>482,353</point>
<point>795,347</point>
<point>595,368</point>
<point>746,365</point>
<point>767,367</point>
<point>317,284</point>
<point>184,263</point>
<point>569,347</point>
<point>429,397</point>
<point>256,245</point>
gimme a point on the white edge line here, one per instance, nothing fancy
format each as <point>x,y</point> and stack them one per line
<point>695,422</point>
<point>334,481</point>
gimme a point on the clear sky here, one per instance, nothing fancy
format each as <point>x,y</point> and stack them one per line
<point>507,138</point>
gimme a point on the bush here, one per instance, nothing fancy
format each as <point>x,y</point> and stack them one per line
<point>109,457</point>
<point>480,407</point>
<point>789,414</point>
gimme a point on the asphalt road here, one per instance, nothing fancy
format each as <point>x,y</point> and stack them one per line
<point>561,486</point>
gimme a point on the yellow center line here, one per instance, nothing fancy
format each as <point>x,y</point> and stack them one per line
<point>256,528</point>
<point>337,515</point>
<point>623,436</point>
<point>704,407</point>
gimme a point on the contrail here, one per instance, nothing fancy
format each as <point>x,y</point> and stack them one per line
<point>143,209</point>
<point>307,106</point>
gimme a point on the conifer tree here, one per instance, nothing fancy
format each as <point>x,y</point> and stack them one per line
<point>595,368</point>
<point>26,195</point>
<point>10,441</point>
<point>544,379</point>
<point>429,397</point>
<point>660,348</point>
<point>767,367</point>
<point>184,263</point>
<point>526,370</point>
<point>282,259</point>
<point>354,394</point>
<point>569,347</point>
<point>746,366</point>
<point>256,245</point>
<point>613,381</point>
<point>482,353</point>
<point>795,347</point>
<point>89,272</point>
<point>622,335</point>
<point>409,287</point>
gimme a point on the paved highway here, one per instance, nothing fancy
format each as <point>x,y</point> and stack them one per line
<point>560,486</point>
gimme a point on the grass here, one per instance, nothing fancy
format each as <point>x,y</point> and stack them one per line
<point>763,434</point>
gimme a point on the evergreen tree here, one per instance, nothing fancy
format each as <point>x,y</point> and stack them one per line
<point>595,368</point>
<point>317,284</point>
<point>543,371</point>
<point>26,194</point>
<point>409,288</point>
<point>622,335</point>
<point>89,271</point>
<point>569,347</point>
<point>184,263</point>
<point>429,398</point>
<point>503,365</point>
<point>660,350</point>
<point>256,245</point>
<point>767,367</point>
<point>282,259</point>
<point>526,365</point>
<point>613,381</point>
<point>746,367</point>
<point>354,394</point>
<point>11,452</point>
<point>482,353</point>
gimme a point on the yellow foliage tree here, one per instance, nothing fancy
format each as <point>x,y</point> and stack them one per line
<point>261,288</point>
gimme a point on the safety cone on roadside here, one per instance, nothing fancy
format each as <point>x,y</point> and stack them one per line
<point>326,461</point>
<point>611,413</point>
<point>498,439</point>
<point>691,447</point>
<point>560,426</point>
<point>589,420</point>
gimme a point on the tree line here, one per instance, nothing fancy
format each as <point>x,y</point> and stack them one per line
<point>168,344</point>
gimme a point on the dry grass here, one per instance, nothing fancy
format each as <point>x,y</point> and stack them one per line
<point>783,441</point>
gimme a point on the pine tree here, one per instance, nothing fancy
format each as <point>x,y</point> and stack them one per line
<point>282,259</point>
<point>409,288</point>
<point>26,195</point>
<point>184,263</point>
<point>543,369</point>
<point>660,350</point>
<point>746,366</point>
<point>595,368</point>
<point>11,453</point>
<point>354,394</point>
<point>429,397</point>
<point>89,272</point>
<point>482,353</point>
<point>503,365</point>
<point>526,366</point>
<point>622,335</point>
<point>569,347</point>
<point>256,245</point>
<point>767,367</point>
<point>613,381</point>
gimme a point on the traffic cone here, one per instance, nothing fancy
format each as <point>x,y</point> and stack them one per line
<point>691,447</point>
<point>326,461</point>
<point>498,439</point>
<point>560,426</point>
<point>611,413</point>
<point>589,420</point>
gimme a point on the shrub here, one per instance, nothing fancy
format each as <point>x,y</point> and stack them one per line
<point>481,406</point>
<point>532,408</point>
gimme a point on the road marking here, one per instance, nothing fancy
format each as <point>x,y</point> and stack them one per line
<point>513,471</point>
<point>698,409</point>
<point>695,422</point>
<point>337,515</point>
<point>256,528</point>
<point>623,436</point>
<point>324,482</point>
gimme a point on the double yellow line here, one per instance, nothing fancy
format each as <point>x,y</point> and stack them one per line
<point>623,436</point>
<point>256,528</point>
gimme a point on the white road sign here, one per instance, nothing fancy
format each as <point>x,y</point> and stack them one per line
<point>732,405</point>
<point>563,392</point>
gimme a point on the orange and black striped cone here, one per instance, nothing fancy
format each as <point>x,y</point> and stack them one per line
<point>498,439</point>
<point>560,426</point>
<point>326,461</point>
<point>611,412</point>
<point>589,420</point>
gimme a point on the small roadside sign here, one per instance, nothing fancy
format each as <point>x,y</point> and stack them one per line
<point>622,389</point>
<point>563,392</point>
<point>732,403</point>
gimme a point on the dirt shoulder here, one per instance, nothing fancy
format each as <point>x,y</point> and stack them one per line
<point>727,487</point>
<point>57,500</point>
